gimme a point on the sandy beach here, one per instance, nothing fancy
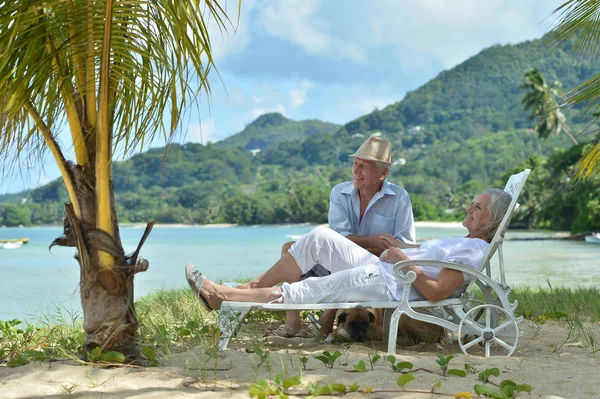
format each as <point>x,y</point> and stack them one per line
<point>552,363</point>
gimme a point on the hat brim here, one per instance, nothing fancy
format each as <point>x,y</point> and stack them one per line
<point>370,158</point>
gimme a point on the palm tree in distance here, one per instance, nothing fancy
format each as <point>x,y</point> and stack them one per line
<point>116,74</point>
<point>579,22</point>
<point>540,101</point>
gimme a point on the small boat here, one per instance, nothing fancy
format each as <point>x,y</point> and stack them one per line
<point>11,245</point>
<point>21,240</point>
<point>593,239</point>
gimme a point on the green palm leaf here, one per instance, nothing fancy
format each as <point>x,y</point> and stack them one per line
<point>579,21</point>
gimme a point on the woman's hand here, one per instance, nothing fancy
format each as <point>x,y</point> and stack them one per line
<point>393,255</point>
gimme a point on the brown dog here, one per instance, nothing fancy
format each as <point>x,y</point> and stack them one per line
<point>411,331</point>
<point>359,324</point>
<point>365,324</point>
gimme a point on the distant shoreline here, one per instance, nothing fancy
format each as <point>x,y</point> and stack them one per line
<point>449,225</point>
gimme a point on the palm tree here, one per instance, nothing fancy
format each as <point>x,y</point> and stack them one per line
<point>579,21</point>
<point>108,72</point>
<point>540,100</point>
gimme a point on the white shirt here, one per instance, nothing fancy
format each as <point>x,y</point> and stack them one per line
<point>389,211</point>
<point>465,251</point>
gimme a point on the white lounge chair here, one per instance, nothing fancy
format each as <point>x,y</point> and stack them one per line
<point>488,322</point>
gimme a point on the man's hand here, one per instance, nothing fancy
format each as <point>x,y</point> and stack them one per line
<point>391,241</point>
<point>373,244</point>
<point>393,255</point>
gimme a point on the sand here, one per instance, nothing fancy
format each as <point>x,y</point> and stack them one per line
<point>554,364</point>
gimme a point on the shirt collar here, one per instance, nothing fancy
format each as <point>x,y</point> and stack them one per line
<point>386,189</point>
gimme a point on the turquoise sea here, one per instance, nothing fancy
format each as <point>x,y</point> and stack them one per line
<point>35,281</point>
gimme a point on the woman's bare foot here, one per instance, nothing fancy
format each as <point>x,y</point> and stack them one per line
<point>210,292</point>
<point>247,285</point>
<point>205,290</point>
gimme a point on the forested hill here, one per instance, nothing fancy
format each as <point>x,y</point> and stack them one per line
<point>458,133</point>
<point>478,96</point>
<point>274,127</point>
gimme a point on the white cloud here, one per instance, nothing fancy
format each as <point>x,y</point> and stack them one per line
<point>296,22</point>
<point>202,132</point>
<point>300,22</point>
<point>298,96</point>
<point>237,35</point>
<point>450,32</point>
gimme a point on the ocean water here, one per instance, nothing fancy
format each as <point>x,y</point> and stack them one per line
<point>35,281</point>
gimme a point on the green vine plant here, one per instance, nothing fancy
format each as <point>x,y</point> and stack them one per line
<point>328,358</point>
<point>96,355</point>
<point>444,362</point>
<point>304,361</point>
<point>264,357</point>
<point>282,386</point>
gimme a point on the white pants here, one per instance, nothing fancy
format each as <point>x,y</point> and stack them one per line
<point>354,273</point>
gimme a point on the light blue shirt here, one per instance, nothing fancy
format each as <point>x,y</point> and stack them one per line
<point>390,211</point>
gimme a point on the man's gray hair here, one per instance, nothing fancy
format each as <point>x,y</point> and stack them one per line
<point>382,165</point>
<point>498,207</point>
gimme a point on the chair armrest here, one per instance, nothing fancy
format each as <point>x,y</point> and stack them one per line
<point>411,276</point>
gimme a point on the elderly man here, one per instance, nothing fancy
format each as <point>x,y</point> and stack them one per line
<point>368,210</point>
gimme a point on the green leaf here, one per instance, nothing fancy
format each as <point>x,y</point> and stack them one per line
<point>523,388</point>
<point>487,391</point>
<point>441,360</point>
<point>375,358</point>
<point>457,372</point>
<point>485,374</point>
<point>341,388</point>
<point>113,356</point>
<point>322,358</point>
<point>403,365</point>
<point>391,358</point>
<point>18,361</point>
<point>405,379</point>
<point>335,355</point>
<point>149,353</point>
<point>321,390</point>
<point>354,387</point>
<point>361,367</point>
<point>508,382</point>
<point>291,382</point>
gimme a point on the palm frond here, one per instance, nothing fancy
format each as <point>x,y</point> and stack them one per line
<point>578,20</point>
<point>590,160</point>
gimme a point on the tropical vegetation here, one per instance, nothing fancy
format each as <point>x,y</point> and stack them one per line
<point>115,75</point>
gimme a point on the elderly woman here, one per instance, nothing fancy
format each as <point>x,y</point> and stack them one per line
<point>358,275</point>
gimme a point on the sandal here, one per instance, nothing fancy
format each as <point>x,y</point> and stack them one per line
<point>195,280</point>
<point>310,332</point>
<point>284,331</point>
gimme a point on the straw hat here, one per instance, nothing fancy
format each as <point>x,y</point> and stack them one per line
<point>375,149</point>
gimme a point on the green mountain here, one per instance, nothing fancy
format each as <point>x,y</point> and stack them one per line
<point>274,127</point>
<point>458,133</point>
<point>479,96</point>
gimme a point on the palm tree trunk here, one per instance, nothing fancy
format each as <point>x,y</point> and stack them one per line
<point>569,132</point>
<point>107,295</point>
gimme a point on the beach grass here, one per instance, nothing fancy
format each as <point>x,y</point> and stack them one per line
<point>174,321</point>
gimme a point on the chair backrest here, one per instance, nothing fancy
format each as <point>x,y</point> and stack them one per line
<point>513,187</point>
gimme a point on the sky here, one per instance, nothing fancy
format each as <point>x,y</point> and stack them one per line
<point>333,60</point>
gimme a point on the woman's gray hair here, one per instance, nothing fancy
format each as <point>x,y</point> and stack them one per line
<point>498,206</point>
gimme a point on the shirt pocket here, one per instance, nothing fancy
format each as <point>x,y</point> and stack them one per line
<point>383,224</point>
